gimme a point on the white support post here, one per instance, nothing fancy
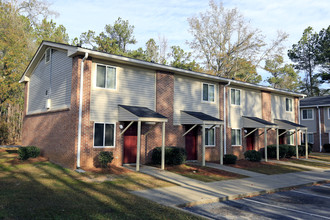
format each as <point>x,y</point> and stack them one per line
<point>221,145</point>
<point>163,147</point>
<point>265,134</point>
<point>203,145</point>
<point>297,151</point>
<point>277,146</point>
<point>306,144</point>
<point>138,146</point>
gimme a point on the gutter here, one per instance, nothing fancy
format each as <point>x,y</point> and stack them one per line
<point>320,140</point>
<point>225,119</point>
<point>80,108</point>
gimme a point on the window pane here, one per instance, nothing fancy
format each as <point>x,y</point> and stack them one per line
<point>329,113</point>
<point>205,92</point>
<point>310,138</point>
<point>233,137</point>
<point>211,137</point>
<point>237,97</point>
<point>100,76</point>
<point>304,114</point>
<point>310,114</point>
<point>111,78</point>
<point>232,92</point>
<point>98,134</point>
<point>211,93</point>
<point>238,137</point>
<point>287,104</point>
<point>109,135</point>
<point>206,137</point>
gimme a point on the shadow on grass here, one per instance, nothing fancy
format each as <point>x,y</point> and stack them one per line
<point>46,190</point>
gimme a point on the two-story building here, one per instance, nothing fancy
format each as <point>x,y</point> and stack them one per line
<point>315,114</point>
<point>79,102</point>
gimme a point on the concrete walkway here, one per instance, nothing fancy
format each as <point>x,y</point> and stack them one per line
<point>298,165</point>
<point>193,192</point>
<point>234,170</point>
<point>318,161</point>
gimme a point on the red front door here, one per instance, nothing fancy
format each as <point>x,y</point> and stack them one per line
<point>250,140</point>
<point>130,144</point>
<point>191,143</point>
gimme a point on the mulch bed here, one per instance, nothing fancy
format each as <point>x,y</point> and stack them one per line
<point>109,170</point>
<point>248,164</point>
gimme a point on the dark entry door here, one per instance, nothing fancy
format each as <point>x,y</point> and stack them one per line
<point>281,138</point>
<point>191,143</point>
<point>250,140</point>
<point>130,143</point>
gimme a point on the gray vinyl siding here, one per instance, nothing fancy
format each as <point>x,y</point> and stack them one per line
<point>250,106</point>
<point>135,86</point>
<point>310,124</point>
<point>188,97</point>
<point>54,77</point>
<point>38,85</point>
<point>279,108</point>
<point>326,119</point>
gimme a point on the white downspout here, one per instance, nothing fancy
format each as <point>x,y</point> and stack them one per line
<point>80,108</point>
<point>320,140</point>
<point>224,119</point>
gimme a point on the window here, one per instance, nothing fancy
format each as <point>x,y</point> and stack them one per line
<point>290,138</point>
<point>106,77</point>
<point>288,104</point>
<point>104,135</point>
<point>210,137</point>
<point>328,113</point>
<point>235,96</point>
<point>236,137</point>
<point>310,138</point>
<point>47,55</point>
<point>307,114</point>
<point>208,92</point>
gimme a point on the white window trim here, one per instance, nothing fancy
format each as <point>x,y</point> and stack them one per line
<point>240,95</point>
<point>114,135</point>
<point>291,104</point>
<point>214,137</point>
<point>208,84</point>
<point>304,133</point>
<point>95,77</point>
<point>241,137</point>
<point>306,119</point>
<point>50,55</point>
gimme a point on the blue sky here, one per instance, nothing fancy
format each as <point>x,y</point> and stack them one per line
<point>154,18</point>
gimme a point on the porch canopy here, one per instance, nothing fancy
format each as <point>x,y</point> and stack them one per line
<point>200,118</point>
<point>142,114</point>
<point>289,125</point>
<point>256,123</point>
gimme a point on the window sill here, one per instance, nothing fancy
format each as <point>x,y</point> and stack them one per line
<point>101,147</point>
<point>209,145</point>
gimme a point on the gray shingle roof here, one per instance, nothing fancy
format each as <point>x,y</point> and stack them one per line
<point>314,101</point>
<point>291,123</point>
<point>202,116</point>
<point>262,121</point>
<point>142,112</point>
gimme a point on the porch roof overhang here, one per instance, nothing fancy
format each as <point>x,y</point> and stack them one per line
<point>138,113</point>
<point>288,125</point>
<point>255,122</point>
<point>190,117</point>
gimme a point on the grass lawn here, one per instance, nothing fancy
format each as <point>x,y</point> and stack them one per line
<point>266,167</point>
<point>38,189</point>
<point>311,163</point>
<point>205,174</point>
<point>320,156</point>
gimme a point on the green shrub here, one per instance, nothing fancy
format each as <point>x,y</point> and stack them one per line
<point>291,151</point>
<point>302,149</point>
<point>33,151</point>
<point>252,155</point>
<point>22,153</point>
<point>105,157</point>
<point>173,155</point>
<point>229,159</point>
<point>326,148</point>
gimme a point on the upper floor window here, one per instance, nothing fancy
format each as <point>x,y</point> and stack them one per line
<point>106,77</point>
<point>210,137</point>
<point>47,55</point>
<point>104,135</point>
<point>288,104</point>
<point>236,139</point>
<point>235,96</point>
<point>208,92</point>
<point>307,114</point>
